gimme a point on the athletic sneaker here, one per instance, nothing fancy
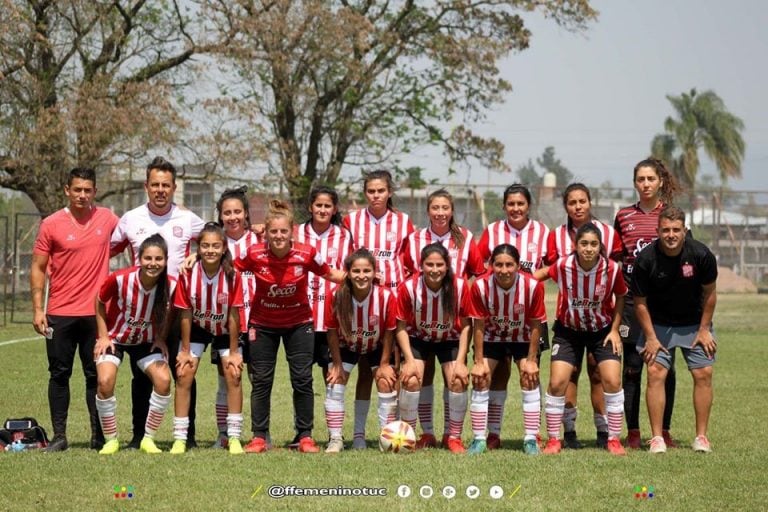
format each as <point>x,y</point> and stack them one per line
<point>613,445</point>
<point>257,445</point>
<point>553,446</point>
<point>110,447</point>
<point>657,445</point>
<point>531,447</point>
<point>148,446</point>
<point>601,440</point>
<point>633,439</point>
<point>235,447</point>
<point>701,444</point>
<point>668,439</point>
<point>455,446</point>
<point>308,445</point>
<point>572,442</point>
<point>493,442</point>
<point>221,442</point>
<point>359,443</point>
<point>179,447</point>
<point>477,447</point>
<point>426,441</point>
<point>335,445</point>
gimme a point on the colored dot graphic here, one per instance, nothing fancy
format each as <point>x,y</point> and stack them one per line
<point>644,492</point>
<point>124,492</point>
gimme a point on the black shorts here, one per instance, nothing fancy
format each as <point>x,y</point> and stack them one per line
<point>630,330</point>
<point>373,358</point>
<point>241,339</point>
<point>142,354</point>
<point>544,337</point>
<point>322,355</point>
<point>500,351</point>
<point>446,351</point>
<point>201,336</point>
<point>569,345</point>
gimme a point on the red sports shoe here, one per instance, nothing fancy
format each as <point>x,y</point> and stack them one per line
<point>426,441</point>
<point>493,442</point>
<point>257,445</point>
<point>668,439</point>
<point>633,439</point>
<point>307,445</point>
<point>553,446</point>
<point>455,446</point>
<point>614,446</point>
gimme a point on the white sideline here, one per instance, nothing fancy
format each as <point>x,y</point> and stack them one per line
<point>11,342</point>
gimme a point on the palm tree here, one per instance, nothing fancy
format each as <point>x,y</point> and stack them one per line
<point>702,121</point>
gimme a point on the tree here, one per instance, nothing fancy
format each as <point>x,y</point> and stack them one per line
<point>528,176</point>
<point>549,163</point>
<point>702,121</point>
<point>324,84</point>
<point>87,83</point>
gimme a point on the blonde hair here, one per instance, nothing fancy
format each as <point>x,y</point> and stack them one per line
<point>278,209</point>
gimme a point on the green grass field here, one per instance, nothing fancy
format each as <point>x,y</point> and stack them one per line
<point>728,479</point>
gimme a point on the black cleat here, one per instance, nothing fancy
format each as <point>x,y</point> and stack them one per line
<point>602,440</point>
<point>58,444</point>
<point>134,444</point>
<point>571,441</point>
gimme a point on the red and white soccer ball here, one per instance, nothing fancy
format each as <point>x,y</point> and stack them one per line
<point>397,437</point>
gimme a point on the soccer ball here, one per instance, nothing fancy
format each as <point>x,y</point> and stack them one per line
<point>396,437</point>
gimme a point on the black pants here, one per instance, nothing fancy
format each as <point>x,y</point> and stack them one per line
<point>299,342</point>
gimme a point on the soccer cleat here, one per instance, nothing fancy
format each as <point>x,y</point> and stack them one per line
<point>427,441</point>
<point>531,447</point>
<point>179,447</point>
<point>57,444</point>
<point>701,444</point>
<point>257,445</point>
<point>335,445</point>
<point>657,445</point>
<point>553,446</point>
<point>221,442</point>
<point>455,446</point>
<point>613,445</point>
<point>668,439</point>
<point>308,445</point>
<point>602,440</point>
<point>235,447</point>
<point>493,442</point>
<point>110,447</point>
<point>571,441</point>
<point>97,442</point>
<point>477,447</point>
<point>134,443</point>
<point>633,439</point>
<point>359,443</point>
<point>148,446</point>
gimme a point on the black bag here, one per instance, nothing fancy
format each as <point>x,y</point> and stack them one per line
<point>25,430</point>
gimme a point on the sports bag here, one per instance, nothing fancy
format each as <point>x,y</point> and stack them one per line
<point>24,431</point>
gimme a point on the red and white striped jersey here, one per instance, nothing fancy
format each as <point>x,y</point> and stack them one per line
<point>209,299</point>
<point>585,298</point>
<point>239,249</point>
<point>465,260</point>
<point>636,228</point>
<point>385,238</point>
<point>507,313</point>
<point>333,246</point>
<point>560,242</point>
<point>129,306</point>
<point>531,242</point>
<point>370,319</point>
<point>422,309</point>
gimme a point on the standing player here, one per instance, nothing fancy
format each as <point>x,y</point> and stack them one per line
<point>73,246</point>
<point>178,227</point>
<point>204,297</point>
<point>529,237</point>
<point>590,299</point>
<point>361,324</point>
<point>465,262</point>
<point>381,229</point>
<point>578,205</point>
<point>637,226</point>
<point>433,320</point>
<point>674,285</point>
<point>131,314</point>
<point>280,310</point>
<point>506,309</point>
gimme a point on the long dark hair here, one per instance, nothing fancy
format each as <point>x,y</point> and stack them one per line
<point>572,188</point>
<point>381,174</point>
<point>508,249</point>
<point>447,289</point>
<point>517,188</point>
<point>456,234</point>
<point>322,189</point>
<point>585,229</point>
<point>669,186</point>
<point>342,305</point>
<point>239,194</point>
<point>226,258</point>
<point>160,307</point>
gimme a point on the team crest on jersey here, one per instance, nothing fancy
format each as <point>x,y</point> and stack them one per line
<point>518,309</point>
<point>178,231</point>
<point>687,270</point>
<point>263,270</point>
<point>391,236</point>
<point>533,247</point>
<point>600,289</point>
<point>298,271</point>
<point>373,320</point>
<point>222,298</point>
<point>333,252</point>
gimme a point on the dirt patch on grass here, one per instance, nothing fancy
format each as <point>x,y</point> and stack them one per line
<point>729,282</point>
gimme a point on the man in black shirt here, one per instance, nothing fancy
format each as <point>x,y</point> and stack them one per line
<point>674,288</point>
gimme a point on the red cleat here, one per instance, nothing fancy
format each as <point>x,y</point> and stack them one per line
<point>307,445</point>
<point>455,446</point>
<point>257,445</point>
<point>493,442</point>
<point>553,446</point>
<point>426,441</point>
<point>614,446</point>
<point>633,439</point>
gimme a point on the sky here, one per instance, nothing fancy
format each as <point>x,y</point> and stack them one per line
<point>599,96</point>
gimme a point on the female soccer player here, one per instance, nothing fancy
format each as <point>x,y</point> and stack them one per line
<point>578,206</point>
<point>135,323</point>
<point>205,297</point>
<point>465,262</point>
<point>361,324</point>
<point>637,226</point>
<point>280,310</point>
<point>529,237</point>
<point>590,300</point>
<point>432,319</point>
<point>507,307</point>
<point>381,229</point>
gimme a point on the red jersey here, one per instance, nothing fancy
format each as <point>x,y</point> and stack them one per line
<point>78,259</point>
<point>507,313</point>
<point>560,242</point>
<point>281,298</point>
<point>422,310</point>
<point>465,260</point>
<point>531,242</point>
<point>239,249</point>
<point>333,246</point>
<point>129,306</point>
<point>585,298</point>
<point>370,319</point>
<point>385,238</point>
<point>636,228</point>
<point>209,298</point>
